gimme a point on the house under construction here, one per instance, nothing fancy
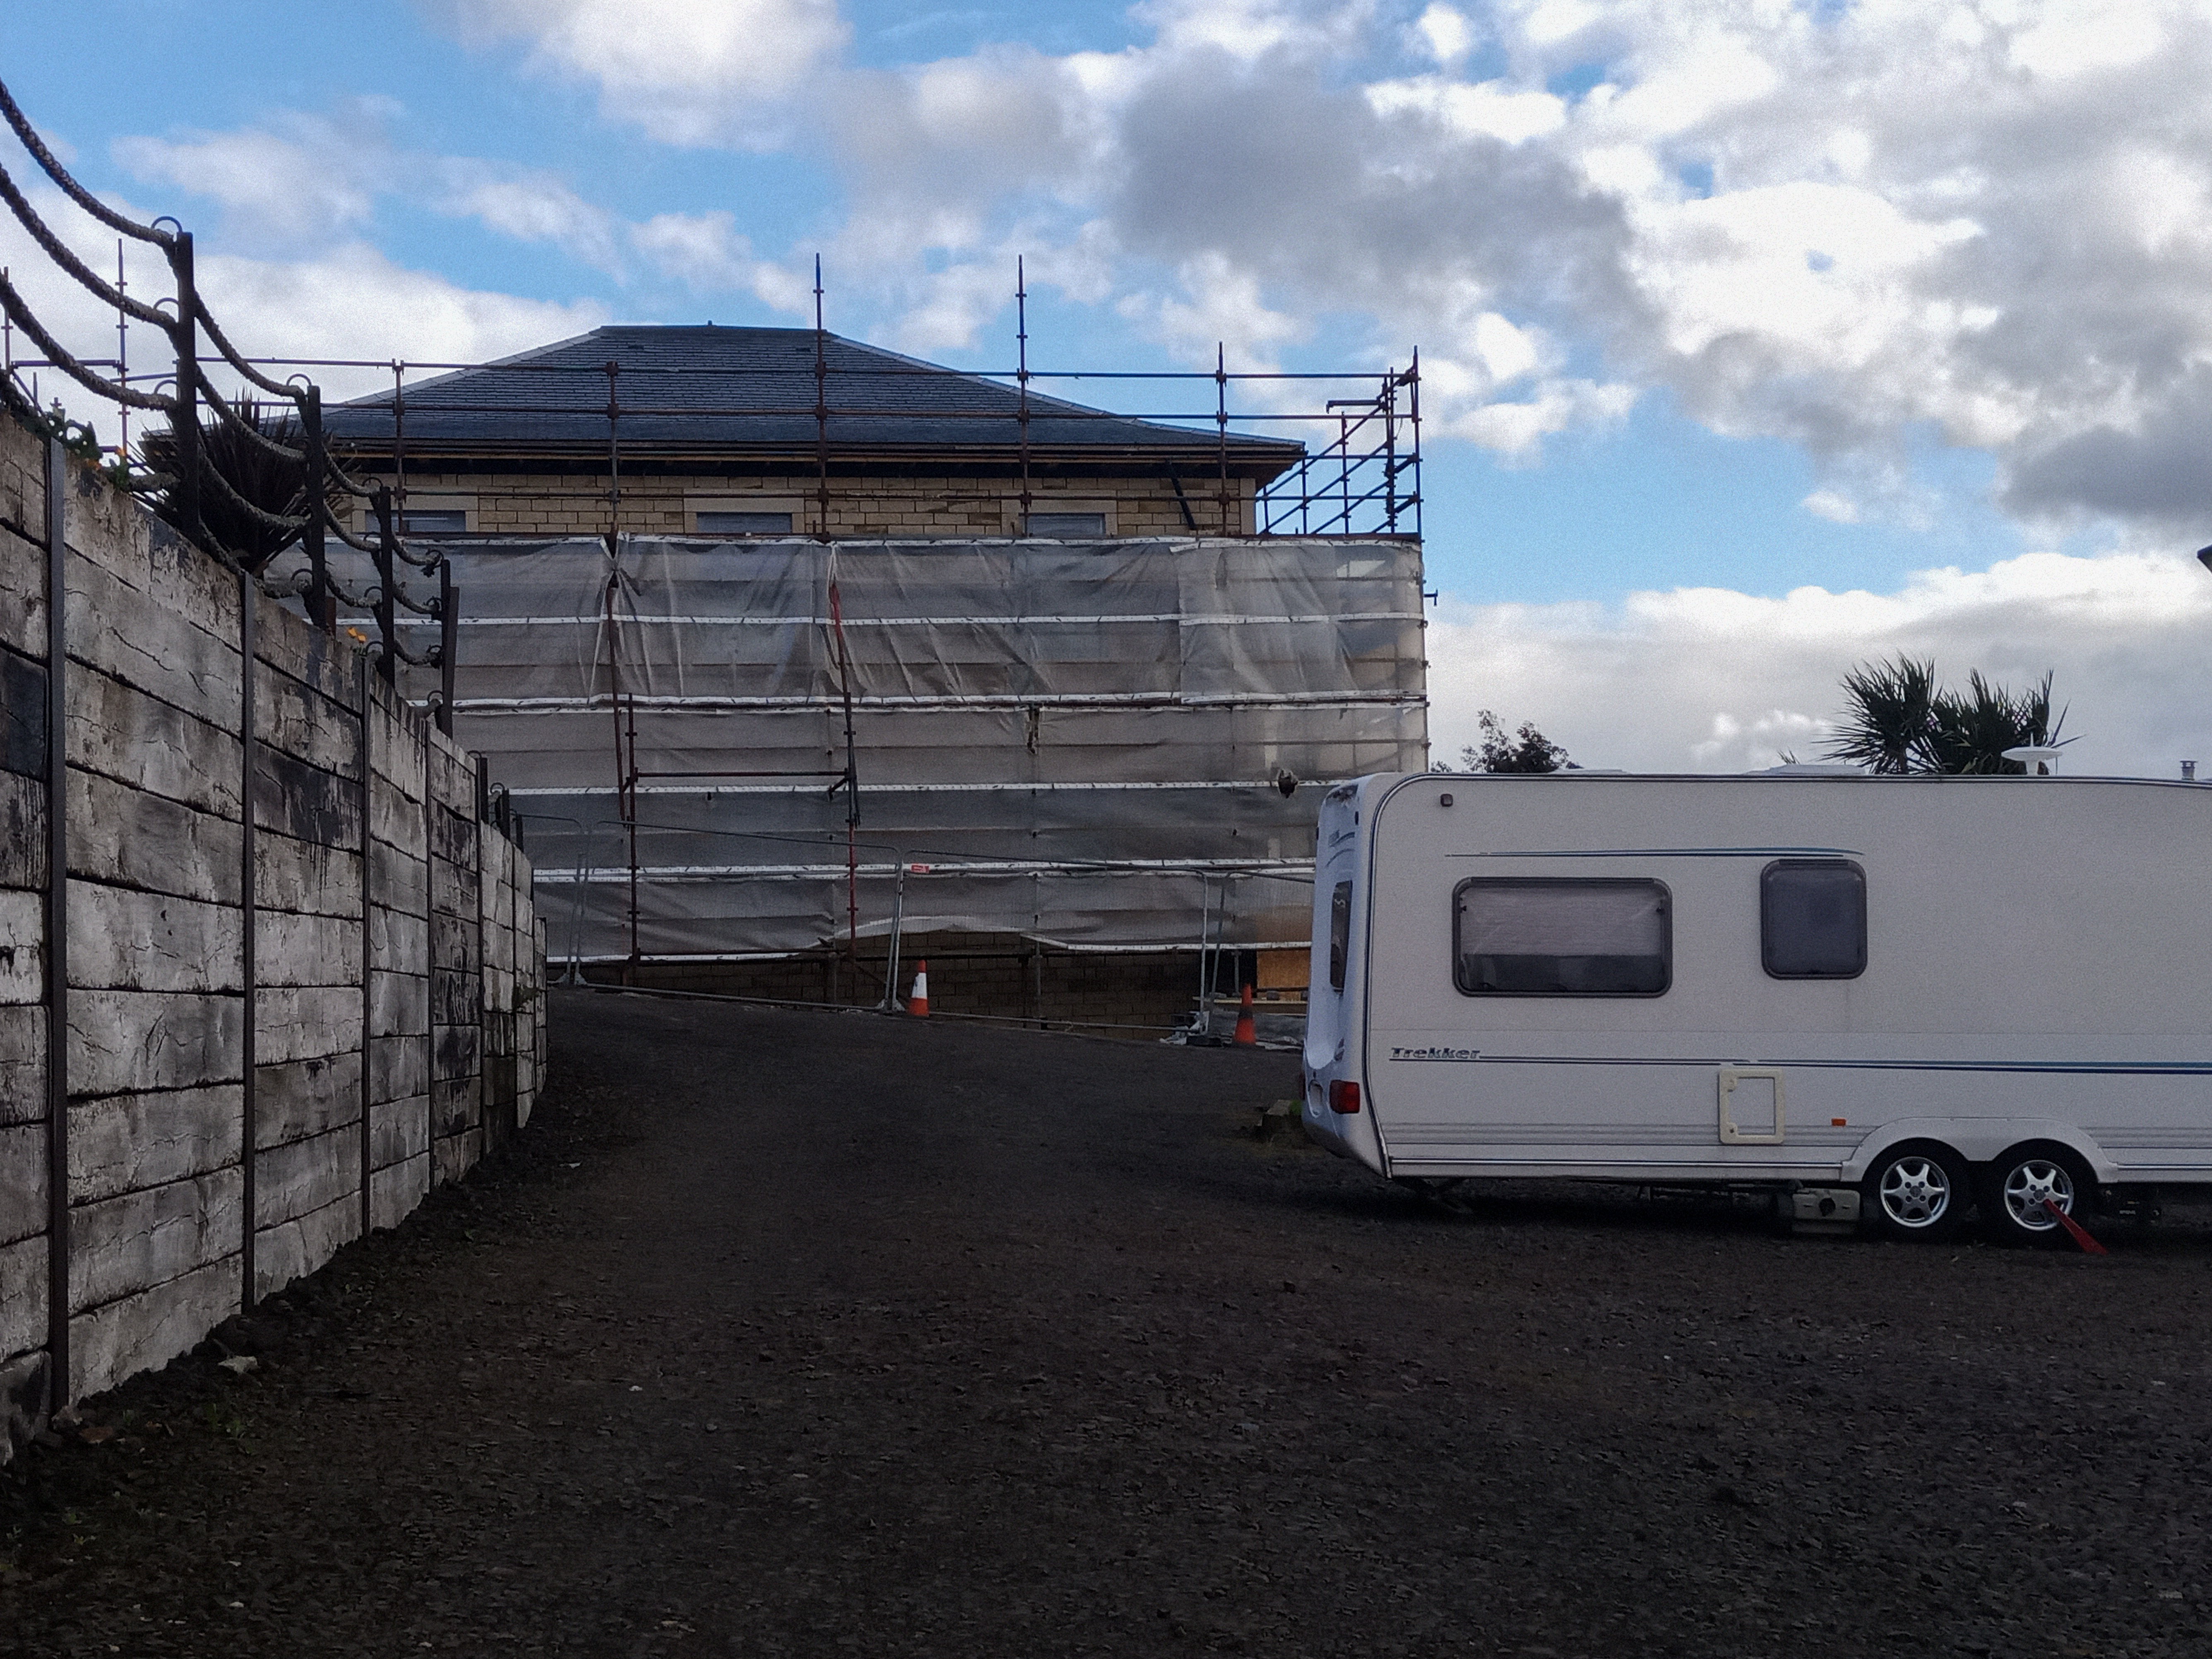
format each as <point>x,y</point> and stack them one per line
<point>799,659</point>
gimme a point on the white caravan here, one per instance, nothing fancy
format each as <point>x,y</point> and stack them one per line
<point>1886,998</point>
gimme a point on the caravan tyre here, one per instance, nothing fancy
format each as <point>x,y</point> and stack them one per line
<point>2022,1186</point>
<point>1916,1191</point>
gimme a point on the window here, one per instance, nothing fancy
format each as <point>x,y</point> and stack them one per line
<point>1066,524</point>
<point>1540,937</point>
<point>1339,934</point>
<point>441,522</point>
<point>1813,919</point>
<point>743,524</point>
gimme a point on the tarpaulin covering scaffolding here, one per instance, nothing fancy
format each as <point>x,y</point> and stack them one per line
<point>1100,746</point>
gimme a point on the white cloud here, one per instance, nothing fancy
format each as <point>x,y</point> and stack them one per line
<point>1516,427</point>
<point>529,206</point>
<point>346,300</point>
<point>1225,311</point>
<point>299,183</point>
<point>1483,110</point>
<point>704,252</point>
<point>1846,228</point>
<point>685,71</point>
<point>1855,229</point>
<point>312,177</point>
<point>1708,679</point>
<point>355,303</point>
<point>298,179</point>
<point>1445,35</point>
<point>1832,505</point>
<point>2072,38</point>
<point>1246,31</point>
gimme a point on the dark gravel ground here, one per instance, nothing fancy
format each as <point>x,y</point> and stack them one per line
<point>799,1334</point>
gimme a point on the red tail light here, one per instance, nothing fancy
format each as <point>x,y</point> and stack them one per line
<point>1344,1097</point>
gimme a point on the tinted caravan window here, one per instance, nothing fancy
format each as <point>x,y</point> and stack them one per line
<point>1339,934</point>
<point>1538,937</point>
<point>1813,919</point>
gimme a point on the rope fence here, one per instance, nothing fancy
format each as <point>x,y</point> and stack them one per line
<point>240,485</point>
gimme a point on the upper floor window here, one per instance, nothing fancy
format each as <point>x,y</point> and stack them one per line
<point>438,521</point>
<point>1069,524</point>
<point>743,524</point>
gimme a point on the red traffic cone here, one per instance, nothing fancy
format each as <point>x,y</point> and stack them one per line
<point>918,1004</point>
<point>1247,1034</point>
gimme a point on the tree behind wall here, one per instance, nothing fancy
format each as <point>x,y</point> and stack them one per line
<point>1897,719</point>
<point>1525,750</point>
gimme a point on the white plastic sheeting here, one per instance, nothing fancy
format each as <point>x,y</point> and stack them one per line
<point>1078,741</point>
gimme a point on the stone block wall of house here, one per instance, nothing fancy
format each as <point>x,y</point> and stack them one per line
<point>517,503</point>
<point>268,1043</point>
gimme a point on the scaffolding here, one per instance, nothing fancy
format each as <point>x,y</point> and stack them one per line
<point>729,751</point>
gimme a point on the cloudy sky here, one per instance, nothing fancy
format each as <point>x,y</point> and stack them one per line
<point>1757,339</point>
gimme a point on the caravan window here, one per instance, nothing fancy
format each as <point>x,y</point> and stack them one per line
<point>1813,919</point>
<point>1539,937</point>
<point>1339,934</point>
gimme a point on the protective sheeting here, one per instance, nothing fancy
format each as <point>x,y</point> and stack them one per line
<point>1082,742</point>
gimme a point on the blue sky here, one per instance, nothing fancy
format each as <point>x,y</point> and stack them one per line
<point>1705,304</point>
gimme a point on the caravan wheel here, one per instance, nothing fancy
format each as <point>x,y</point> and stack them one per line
<point>1916,1191</point>
<point>2023,1185</point>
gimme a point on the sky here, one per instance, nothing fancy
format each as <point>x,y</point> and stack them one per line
<point>1757,339</point>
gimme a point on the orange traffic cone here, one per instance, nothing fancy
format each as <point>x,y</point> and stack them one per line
<point>918,1004</point>
<point>1247,1034</point>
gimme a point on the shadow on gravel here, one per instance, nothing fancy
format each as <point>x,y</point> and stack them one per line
<point>782,1333</point>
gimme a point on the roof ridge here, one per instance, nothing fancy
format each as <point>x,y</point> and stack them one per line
<point>688,370</point>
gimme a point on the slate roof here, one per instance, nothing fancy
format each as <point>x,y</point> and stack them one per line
<point>752,389</point>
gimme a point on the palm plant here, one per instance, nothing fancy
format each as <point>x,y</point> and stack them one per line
<point>1896,720</point>
<point>1883,725</point>
<point>1969,733</point>
<point>275,485</point>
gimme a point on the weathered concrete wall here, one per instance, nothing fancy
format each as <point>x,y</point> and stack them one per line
<point>302,977</point>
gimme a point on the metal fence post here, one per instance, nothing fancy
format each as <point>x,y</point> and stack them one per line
<point>449,631</point>
<point>430,958</point>
<point>387,580</point>
<point>248,595</point>
<point>319,598</point>
<point>185,424</point>
<point>366,684</point>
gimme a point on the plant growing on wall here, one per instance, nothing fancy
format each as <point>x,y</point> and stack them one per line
<point>274,484</point>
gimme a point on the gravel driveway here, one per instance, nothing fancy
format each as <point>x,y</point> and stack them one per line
<point>794,1333</point>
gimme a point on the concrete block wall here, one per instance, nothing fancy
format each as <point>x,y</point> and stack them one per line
<point>25,1011</point>
<point>253,1045</point>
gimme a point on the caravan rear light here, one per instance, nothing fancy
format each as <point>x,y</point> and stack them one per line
<point>1344,1097</point>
